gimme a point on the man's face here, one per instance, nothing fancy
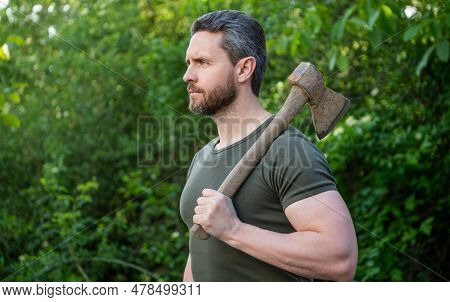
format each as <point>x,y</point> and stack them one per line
<point>210,77</point>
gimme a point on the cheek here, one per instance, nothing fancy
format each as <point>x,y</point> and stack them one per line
<point>213,77</point>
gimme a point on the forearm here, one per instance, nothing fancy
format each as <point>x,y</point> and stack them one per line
<point>187,276</point>
<point>308,254</point>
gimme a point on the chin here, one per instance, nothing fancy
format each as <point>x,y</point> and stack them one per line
<point>193,106</point>
<point>194,101</point>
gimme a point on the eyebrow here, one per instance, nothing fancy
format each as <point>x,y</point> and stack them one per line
<point>198,59</point>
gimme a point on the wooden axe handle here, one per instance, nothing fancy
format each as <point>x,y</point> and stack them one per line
<point>294,103</point>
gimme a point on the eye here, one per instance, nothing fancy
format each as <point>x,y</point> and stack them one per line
<point>203,62</point>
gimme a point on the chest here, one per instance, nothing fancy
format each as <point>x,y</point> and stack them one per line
<point>255,203</point>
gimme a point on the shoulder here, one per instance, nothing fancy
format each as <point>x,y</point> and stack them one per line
<point>292,145</point>
<point>295,168</point>
<point>289,135</point>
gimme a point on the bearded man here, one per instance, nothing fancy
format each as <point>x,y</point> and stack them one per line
<point>288,221</point>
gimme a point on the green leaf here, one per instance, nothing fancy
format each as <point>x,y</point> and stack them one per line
<point>19,85</point>
<point>333,57</point>
<point>411,32</point>
<point>316,22</point>
<point>357,21</point>
<point>334,29</point>
<point>4,53</point>
<point>387,10</point>
<point>374,37</point>
<point>294,46</point>
<point>2,101</point>
<point>15,39</point>
<point>305,41</point>
<point>340,25</point>
<point>427,225</point>
<point>373,12</point>
<point>424,61</point>
<point>435,29</point>
<point>388,20</point>
<point>339,31</point>
<point>395,7</point>
<point>410,203</point>
<point>14,97</point>
<point>373,18</point>
<point>342,63</point>
<point>281,46</point>
<point>442,50</point>
<point>396,275</point>
<point>412,159</point>
<point>11,120</point>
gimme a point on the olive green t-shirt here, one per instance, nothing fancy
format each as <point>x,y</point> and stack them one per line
<point>292,169</point>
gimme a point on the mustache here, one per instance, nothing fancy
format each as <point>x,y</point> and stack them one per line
<point>191,87</point>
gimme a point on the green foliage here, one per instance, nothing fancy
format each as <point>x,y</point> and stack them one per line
<point>8,95</point>
<point>74,82</point>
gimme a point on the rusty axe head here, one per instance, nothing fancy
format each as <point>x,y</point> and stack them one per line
<point>327,106</point>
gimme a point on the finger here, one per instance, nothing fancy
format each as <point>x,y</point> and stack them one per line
<point>209,192</point>
<point>202,201</point>
<point>199,209</point>
<point>198,219</point>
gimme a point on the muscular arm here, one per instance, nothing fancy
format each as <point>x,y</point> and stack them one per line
<point>187,277</point>
<point>324,245</point>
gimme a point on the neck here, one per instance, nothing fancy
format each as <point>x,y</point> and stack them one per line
<point>238,120</point>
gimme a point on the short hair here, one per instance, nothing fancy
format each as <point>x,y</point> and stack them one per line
<point>242,36</point>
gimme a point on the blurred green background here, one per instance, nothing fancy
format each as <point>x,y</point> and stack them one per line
<point>76,201</point>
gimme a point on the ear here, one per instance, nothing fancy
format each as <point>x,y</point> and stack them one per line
<point>245,68</point>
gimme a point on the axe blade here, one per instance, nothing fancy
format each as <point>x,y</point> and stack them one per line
<point>328,112</point>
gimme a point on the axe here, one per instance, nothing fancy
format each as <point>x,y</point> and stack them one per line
<point>327,108</point>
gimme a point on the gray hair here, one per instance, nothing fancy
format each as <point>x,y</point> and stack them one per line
<point>242,37</point>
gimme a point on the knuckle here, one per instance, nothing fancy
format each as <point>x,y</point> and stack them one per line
<point>198,219</point>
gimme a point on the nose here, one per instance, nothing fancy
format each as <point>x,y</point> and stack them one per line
<point>189,75</point>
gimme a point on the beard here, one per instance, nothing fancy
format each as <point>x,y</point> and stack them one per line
<point>219,98</point>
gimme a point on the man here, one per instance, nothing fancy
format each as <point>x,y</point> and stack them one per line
<point>287,222</point>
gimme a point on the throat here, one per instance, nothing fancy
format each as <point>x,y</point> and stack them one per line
<point>232,129</point>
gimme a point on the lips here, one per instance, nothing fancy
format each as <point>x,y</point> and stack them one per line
<point>191,90</point>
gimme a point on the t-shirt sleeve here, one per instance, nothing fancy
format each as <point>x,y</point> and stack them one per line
<point>296,169</point>
<point>192,164</point>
